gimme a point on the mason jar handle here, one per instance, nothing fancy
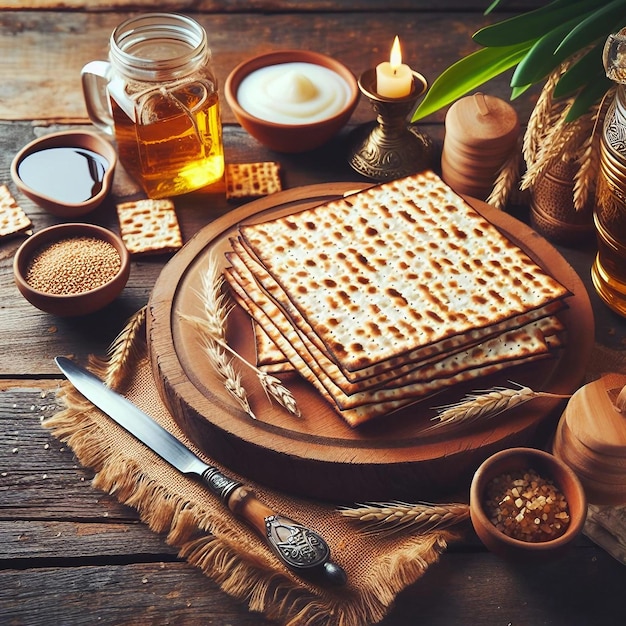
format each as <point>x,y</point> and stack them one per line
<point>95,77</point>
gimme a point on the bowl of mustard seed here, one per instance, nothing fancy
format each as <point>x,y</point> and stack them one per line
<point>526,504</point>
<point>71,269</point>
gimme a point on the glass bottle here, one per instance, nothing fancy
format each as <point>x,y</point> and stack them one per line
<point>609,268</point>
<point>158,96</point>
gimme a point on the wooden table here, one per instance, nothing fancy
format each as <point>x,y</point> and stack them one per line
<point>72,555</point>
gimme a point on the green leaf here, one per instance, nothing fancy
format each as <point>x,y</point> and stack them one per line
<point>600,23</point>
<point>492,6</point>
<point>541,58</point>
<point>533,24</point>
<point>516,92</point>
<point>589,95</point>
<point>579,74</point>
<point>467,74</point>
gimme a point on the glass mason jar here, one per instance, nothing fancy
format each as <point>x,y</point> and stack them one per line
<point>158,97</point>
<point>609,268</point>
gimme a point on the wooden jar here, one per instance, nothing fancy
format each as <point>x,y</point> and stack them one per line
<point>591,438</point>
<point>481,133</point>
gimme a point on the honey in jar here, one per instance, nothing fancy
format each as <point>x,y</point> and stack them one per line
<point>158,96</point>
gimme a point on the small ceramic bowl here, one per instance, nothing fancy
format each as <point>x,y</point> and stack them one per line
<point>291,137</point>
<point>67,173</point>
<point>104,284</point>
<point>548,467</point>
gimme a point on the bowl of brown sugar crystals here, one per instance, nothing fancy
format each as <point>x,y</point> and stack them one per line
<point>72,269</point>
<point>526,503</point>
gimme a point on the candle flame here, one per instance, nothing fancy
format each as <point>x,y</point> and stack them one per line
<point>395,59</point>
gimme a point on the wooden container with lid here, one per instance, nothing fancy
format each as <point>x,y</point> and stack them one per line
<point>591,438</point>
<point>481,133</point>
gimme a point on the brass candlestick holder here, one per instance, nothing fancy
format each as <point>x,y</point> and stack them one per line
<point>391,147</point>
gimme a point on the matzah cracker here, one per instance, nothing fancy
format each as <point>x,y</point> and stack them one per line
<point>396,267</point>
<point>394,367</point>
<point>252,180</point>
<point>508,347</point>
<point>149,226</point>
<point>357,415</point>
<point>12,217</point>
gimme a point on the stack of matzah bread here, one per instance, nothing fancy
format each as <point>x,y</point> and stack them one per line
<point>391,294</point>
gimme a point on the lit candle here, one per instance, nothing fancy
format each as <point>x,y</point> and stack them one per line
<point>393,78</point>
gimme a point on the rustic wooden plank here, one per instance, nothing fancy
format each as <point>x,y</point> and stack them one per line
<point>40,478</point>
<point>44,543</point>
<point>461,589</point>
<point>134,595</point>
<point>269,6</point>
<point>482,590</point>
<point>431,42</point>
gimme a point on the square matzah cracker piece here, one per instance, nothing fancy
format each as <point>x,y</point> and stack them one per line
<point>252,180</point>
<point>12,217</point>
<point>149,226</point>
<point>406,264</point>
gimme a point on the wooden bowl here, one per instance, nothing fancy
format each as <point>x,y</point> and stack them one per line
<point>284,137</point>
<point>81,302</point>
<point>73,175</point>
<point>548,467</point>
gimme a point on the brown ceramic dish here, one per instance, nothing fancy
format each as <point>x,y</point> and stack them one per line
<point>94,160</point>
<point>290,137</point>
<point>548,467</point>
<point>81,303</point>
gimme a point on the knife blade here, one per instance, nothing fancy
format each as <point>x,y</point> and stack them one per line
<point>300,548</point>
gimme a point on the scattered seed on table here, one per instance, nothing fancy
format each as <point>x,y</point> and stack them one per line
<point>73,265</point>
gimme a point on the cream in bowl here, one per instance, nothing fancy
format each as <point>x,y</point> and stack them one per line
<point>292,100</point>
<point>293,93</point>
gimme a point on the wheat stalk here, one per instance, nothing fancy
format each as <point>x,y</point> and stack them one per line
<point>393,517</point>
<point>587,175</point>
<point>223,365</point>
<point>542,118</point>
<point>212,328</point>
<point>123,352</point>
<point>506,180</point>
<point>486,404</point>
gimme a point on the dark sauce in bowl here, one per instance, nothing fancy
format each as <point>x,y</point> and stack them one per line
<point>68,174</point>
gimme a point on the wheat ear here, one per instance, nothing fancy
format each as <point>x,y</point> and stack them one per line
<point>212,328</point>
<point>222,364</point>
<point>506,180</point>
<point>393,517</point>
<point>123,352</point>
<point>486,404</point>
<point>272,386</point>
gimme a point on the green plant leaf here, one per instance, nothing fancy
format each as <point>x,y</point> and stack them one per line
<point>588,96</point>
<point>467,74</point>
<point>492,6</point>
<point>541,58</point>
<point>587,68</point>
<point>533,24</point>
<point>516,92</point>
<point>600,23</point>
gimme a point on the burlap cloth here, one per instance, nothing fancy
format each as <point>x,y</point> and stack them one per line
<point>211,538</point>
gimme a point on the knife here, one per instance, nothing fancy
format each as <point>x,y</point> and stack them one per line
<point>301,549</point>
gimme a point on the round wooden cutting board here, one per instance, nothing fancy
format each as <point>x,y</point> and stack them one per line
<point>318,455</point>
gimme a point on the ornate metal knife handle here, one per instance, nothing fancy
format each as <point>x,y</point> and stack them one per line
<point>298,547</point>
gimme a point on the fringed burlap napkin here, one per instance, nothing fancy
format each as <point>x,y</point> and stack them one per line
<point>206,533</point>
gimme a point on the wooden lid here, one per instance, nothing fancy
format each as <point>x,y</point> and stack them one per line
<point>482,121</point>
<point>593,418</point>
